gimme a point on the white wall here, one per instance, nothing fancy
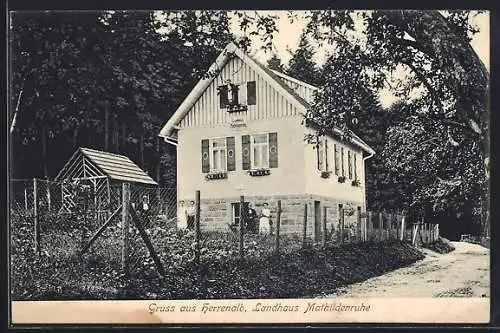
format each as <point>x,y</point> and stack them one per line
<point>288,178</point>
<point>330,187</point>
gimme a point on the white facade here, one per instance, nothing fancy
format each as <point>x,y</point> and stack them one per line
<point>210,137</point>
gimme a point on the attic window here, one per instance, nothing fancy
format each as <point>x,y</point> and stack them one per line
<point>229,97</point>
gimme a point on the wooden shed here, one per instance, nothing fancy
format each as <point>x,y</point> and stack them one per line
<point>98,170</point>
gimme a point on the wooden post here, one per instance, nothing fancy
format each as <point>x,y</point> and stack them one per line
<point>35,216</point>
<point>304,229</point>
<point>402,231</point>
<point>147,242</point>
<point>341,222</point>
<point>125,227</point>
<point>325,231</point>
<point>197,228</point>
<point>278,221</point>
<point>242,224</point>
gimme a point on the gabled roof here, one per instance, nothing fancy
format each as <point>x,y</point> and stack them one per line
<point>114,166</point>
<point>272,77</point>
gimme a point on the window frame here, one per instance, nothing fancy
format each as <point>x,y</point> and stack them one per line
<point>253,166</point>
<point>212,156</point>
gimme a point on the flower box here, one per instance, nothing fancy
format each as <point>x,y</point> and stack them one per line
<point>259,172</point>
<point>355,183</point>
<point>325,174</point>
<point>236,108</point>
<point>216,175</point>
<point>341,179</point>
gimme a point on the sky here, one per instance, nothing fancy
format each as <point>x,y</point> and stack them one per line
<point>288,35</point>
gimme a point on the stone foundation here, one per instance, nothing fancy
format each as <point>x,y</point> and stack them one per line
<point>216,215</point>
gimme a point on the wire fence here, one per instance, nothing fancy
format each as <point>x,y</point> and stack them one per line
<point>129,228</point>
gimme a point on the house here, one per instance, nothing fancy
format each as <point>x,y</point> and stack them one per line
<point>240,132</point>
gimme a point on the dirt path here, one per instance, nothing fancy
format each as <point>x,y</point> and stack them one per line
<point>464,272</point>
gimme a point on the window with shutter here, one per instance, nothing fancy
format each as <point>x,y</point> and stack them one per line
<point>260,151</point>
<point>251,93</point>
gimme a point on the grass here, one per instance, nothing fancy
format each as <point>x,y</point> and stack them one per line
<point>61,274</point>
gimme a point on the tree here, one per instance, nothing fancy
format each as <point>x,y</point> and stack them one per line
<point>274,63</point>
<point>301,66</point>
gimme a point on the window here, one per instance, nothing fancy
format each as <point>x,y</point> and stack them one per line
<point>251,93</point>
<point>322,155</point>
<point>218,154</point>
<point>228,95</point>
<point>260,151</point>
<point>337,160</point>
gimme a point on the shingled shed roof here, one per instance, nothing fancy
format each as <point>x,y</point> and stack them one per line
<point>87,162</point>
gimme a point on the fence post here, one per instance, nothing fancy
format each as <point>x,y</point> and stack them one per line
<point>35,216</point>
<point>125,227</point>
<point>325,231</point>
<point>341,222</point>
<point>359,226</point>
<point>242,225</point>
<point>278,222</point>
<point>304,229</point>
<point>25,199</point>
<point>197,228</point>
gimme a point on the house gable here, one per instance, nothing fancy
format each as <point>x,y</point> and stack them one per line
<point>201,107</point>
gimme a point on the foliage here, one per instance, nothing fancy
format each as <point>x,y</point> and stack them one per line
<point>302,66</point>
<point>60,274</point>
<point>274,63</point>
<point>441,245</point>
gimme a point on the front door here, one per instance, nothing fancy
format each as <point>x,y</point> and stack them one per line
<point>236,212</point>
<point>317,220</point>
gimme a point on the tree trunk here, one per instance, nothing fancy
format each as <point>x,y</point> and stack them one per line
<point>106,127</point>
<point>158,165</point>
<point>75,138</point>
<point>44,152</point>
<point>124,136</point>
<point>116,144</point>
<point>141,149</point>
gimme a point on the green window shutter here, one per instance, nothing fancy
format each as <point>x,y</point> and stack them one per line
<point>251,93</point>
<point>319,155</point>
<point>231,161</point>
<point>245,152</point>
<point>326,155</point>
<point>205,156</point>
<point>336,158</point>
<point>355,168</point>
<point>223,101</point>
<point>342,160</point>
<point>273,150</point>
<point>235,89</point>
<point>349,164</point>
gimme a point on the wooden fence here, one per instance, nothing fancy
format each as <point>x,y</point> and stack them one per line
<point>379,226</point>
